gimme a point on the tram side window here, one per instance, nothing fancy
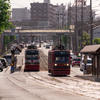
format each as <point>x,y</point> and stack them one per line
<point>50,59</point>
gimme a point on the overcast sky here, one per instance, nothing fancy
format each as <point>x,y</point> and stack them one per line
<point>26,3</point>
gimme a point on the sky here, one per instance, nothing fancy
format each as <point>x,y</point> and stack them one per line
<point>26,3</point>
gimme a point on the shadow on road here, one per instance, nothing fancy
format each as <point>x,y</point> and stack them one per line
<point>31,71</point>
<point>18,69</point>
<point>86,77</point>
<point>58,75</point>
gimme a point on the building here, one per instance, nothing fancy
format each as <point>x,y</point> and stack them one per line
<point>78,9</point>
<point>81,23</point>
<point>44,15</point>
<point>41,16</point>
<point>96,32</point>
<point>48,16</point>
<point>61,15</point>
<point>86,14</point>
<point>47,1</point>
<point>19,14</point>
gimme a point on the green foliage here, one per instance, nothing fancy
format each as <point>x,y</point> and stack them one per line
<point>86,39</point>
<point>64,40</point>
<point>97,41</point>
<point>4,15</point>
<point>8,39</point>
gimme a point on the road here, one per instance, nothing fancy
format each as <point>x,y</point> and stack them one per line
<point>42,86</point>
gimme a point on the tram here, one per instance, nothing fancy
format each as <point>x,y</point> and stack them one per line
<point>32,59</point>
<point>59,62</point>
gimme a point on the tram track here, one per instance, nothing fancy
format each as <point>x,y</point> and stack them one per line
<point>60,83</point>
<point>53,83</point>
<point>43,62</point>
<point>18,83</point>
<point>22,87</point>
<point>64,84</point>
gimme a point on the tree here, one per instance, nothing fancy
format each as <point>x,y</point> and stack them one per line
<point>97,41</point>
<point>4,15</point>
<point>86,39</point>
<point>65,40</point>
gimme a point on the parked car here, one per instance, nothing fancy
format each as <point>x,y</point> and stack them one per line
<point>17,52</point>
<point>76,61</point>
<point>43,45</point>
<point>4,62</point>
<point>1,66</point>
<point>21,46</point>
<point>88,65</point>
<point>47,46</point>
<point>8,58</point>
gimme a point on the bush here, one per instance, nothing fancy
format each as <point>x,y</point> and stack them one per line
<point>97,41</point>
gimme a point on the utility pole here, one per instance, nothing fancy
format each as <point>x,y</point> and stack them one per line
<point>81,23</point>
<point>62,19</point>
<point>76,34</point>
<point>69,26</point>
<point>58,19</point>
<point>91,23</point>
<point>69,15</point>
<point>59,37</point>
<point>63,16</point>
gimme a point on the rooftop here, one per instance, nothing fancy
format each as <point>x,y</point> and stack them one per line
<point>90,49</point>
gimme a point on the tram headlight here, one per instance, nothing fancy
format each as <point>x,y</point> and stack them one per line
<point>55,64</point>
<point>67,64</point>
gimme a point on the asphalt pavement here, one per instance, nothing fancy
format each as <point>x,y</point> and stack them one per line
<point>33,86</point>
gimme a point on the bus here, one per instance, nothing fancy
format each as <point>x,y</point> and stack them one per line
<point>59,62</point>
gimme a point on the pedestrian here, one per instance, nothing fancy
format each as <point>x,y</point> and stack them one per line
<point>12,68</point>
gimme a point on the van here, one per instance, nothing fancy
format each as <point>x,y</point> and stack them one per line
<point>87,67</point>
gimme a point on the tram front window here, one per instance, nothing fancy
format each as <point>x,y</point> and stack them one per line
<point>31,60</point>
<point>32,52</point>
<point>61,60</point>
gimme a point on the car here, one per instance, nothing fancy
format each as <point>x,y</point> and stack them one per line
<point>88,65</point>
<point>31,46</point>
<point>47,46</point>
<point>17,52</point>
<point>76,61</point>
<point>41,41</point>
<point>1,66</point>
<point>44,45</point>
<point>4,62</point>
<point>21,46</point>
<point>8,58</point>
<point>39,45</point>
